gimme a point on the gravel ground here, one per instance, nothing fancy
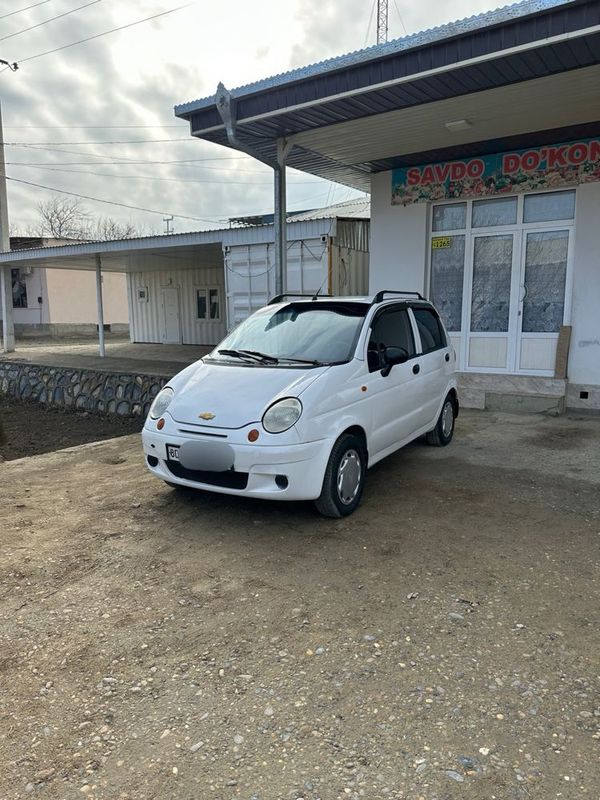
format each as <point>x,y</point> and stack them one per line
<point>441,643</point>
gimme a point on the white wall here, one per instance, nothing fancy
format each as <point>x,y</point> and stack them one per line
<point>398,249</point>
<point>146,321</point>
<point>72,297</point>
<point>584,354</point>
<point>36,313</point>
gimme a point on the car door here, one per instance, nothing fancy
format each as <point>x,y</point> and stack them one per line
<point>434,362</point>
<point>393,398</point>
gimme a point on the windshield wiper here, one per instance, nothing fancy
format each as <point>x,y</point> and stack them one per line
<point>251,355</point>
<point>261,356</point>
<point>303,361</point>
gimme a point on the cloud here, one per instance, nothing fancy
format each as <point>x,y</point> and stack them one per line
<point>136,76</point>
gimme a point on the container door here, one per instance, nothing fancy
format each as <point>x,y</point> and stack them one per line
<point>171,323</point>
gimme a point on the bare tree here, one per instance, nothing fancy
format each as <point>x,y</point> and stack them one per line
<point>62,218</point>
<point>108,229</point>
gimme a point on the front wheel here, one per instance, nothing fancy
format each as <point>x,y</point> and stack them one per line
<point>442,434</point>
<point>344,477</point>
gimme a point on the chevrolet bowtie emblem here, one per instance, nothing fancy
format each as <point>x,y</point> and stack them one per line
<point>206,415</point>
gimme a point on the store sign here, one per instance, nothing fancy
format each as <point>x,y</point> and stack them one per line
<point>545,167</point>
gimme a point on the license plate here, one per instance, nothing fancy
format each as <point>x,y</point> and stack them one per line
<point>172,452</point>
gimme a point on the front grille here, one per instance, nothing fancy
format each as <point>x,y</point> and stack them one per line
<point>204,433</point>
<point>228,480</point>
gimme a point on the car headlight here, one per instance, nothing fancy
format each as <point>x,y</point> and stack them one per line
<point>161,402</point>
<point>282,415</point>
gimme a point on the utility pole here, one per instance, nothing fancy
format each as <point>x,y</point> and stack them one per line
<point>6,295</point>
<point>382,21</point>
<point>168,227</point>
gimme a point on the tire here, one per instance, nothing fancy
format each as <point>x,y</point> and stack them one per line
<point>344,478</point>
<point>442,434</point>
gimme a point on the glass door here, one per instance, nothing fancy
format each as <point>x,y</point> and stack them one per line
<point>542,297</point>
<point>490,318</point>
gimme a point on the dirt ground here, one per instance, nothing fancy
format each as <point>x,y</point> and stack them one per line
<point>441,643</point>
<point>31,428</point>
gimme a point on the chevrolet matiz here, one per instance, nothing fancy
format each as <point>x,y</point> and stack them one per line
<point>303,397</point>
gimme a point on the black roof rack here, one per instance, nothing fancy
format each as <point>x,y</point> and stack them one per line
<point>279,298</point>
<point>380,296</point>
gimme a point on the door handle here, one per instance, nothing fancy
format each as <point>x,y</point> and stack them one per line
<point>416,369</point>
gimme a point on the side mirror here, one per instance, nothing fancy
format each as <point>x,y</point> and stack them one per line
<point>393,356</point>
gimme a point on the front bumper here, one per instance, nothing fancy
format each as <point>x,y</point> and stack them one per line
<point>302,465</point>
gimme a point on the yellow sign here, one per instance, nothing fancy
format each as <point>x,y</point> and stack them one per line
<point>441,241</point>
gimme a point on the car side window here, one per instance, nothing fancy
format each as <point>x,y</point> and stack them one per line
<point>430,329</point>
<point>391,329</point>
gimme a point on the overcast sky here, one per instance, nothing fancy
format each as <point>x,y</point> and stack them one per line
<point>135,76</point>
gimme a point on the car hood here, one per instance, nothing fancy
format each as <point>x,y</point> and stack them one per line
<point>236,395</point>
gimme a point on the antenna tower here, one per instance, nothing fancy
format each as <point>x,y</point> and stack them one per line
<point>382,21</point>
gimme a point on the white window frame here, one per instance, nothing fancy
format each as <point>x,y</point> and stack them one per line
<point>207,290</point>
<point>519,231</point>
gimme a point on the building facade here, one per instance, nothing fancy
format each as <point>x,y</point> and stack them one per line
<point>479,142</point>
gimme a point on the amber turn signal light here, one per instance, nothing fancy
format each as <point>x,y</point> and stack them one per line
<point>160,424</point>
<point>253,435</point>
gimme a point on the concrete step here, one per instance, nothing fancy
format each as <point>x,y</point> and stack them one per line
<point>513,393</point>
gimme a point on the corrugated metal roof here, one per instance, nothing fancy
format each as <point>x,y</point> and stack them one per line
<point>415,40</point>
<point>115,254</point>
<point>535,39</point>
<point>352,209</point>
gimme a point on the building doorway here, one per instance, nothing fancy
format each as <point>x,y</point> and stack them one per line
<point>500,277</point>
<point>171,322</point>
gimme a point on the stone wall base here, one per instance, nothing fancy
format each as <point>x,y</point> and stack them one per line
<point>124,394</point>
<point>60,330</point>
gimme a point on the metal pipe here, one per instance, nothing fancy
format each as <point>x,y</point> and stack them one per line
<point>100,306</point>
<point>226,107</point>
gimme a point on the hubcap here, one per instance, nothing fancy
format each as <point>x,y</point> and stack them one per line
<point>348,476</point>
<point>447,419</point>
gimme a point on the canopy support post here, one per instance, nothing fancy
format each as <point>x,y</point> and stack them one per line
<point>100,306</point>
<point>227,110</point>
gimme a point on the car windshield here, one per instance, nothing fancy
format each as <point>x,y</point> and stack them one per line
<point>318,332</point>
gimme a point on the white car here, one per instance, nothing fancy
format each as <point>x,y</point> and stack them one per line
<point>303,397</point>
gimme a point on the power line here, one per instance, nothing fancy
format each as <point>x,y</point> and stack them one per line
<point>127,163</point>
<point>109,202</point>
<point>125,205</point>
<point>370,22</point>
<point>127,160</point>
<point>46,21</point>
<point>123,141</point>
<point>400,17</point>
<point>156,178</point>
<point>105,33</point>
<point>93,127</point>
<point>18,11</point>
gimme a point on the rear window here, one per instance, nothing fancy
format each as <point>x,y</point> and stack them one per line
<point>430,329</point>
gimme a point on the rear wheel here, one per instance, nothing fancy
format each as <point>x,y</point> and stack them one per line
<point>344,477</point>
<point>442,434</point>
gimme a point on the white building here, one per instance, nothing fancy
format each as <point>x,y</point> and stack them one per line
<point>479,142</point>
<point>49,301</point>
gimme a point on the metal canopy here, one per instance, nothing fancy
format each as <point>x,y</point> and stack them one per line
<point>508,56</point>
<point>175,251</point>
